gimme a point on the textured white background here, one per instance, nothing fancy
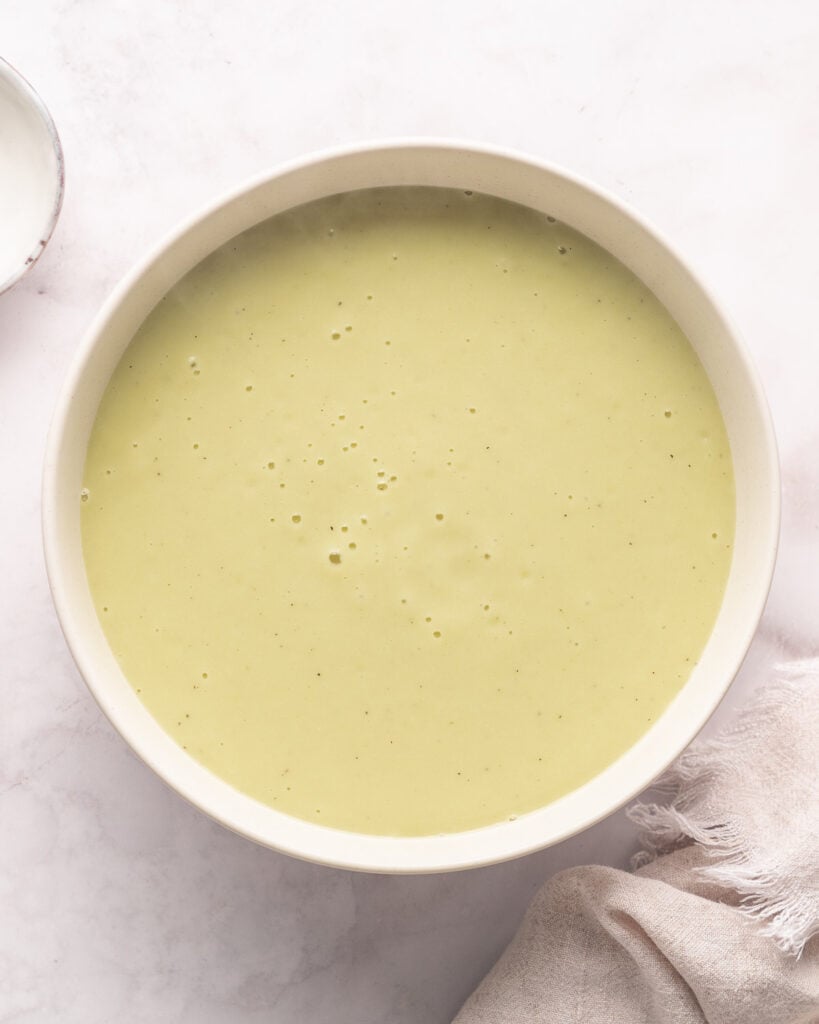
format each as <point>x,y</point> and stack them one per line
<point>118,902</point>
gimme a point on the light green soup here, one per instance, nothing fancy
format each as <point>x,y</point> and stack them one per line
<point>408,511</point>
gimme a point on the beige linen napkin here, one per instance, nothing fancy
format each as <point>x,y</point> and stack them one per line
<point>716,924</point>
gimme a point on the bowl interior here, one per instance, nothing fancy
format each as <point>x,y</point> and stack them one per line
<point>609,224</point>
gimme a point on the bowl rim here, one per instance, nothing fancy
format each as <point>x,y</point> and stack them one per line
<point>29,94</point>
<point>356,851</point>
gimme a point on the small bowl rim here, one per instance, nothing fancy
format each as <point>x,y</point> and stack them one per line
<point>26,90</point>
<point>379,853</point>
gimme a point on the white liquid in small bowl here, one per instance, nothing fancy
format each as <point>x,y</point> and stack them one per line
<point>31,176</point>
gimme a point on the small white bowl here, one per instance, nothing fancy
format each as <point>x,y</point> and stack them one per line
<point>31,176</point>
<point>544,188</point>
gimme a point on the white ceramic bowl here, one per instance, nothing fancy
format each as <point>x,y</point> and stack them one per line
<point>31,176</point>
<point>544,188</point>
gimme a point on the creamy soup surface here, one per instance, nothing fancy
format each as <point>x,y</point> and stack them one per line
<point>408,511</point>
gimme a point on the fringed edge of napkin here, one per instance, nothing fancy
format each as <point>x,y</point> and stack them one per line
<point>782,905</point>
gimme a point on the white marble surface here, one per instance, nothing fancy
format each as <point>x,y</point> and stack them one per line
<point>118,901</point>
